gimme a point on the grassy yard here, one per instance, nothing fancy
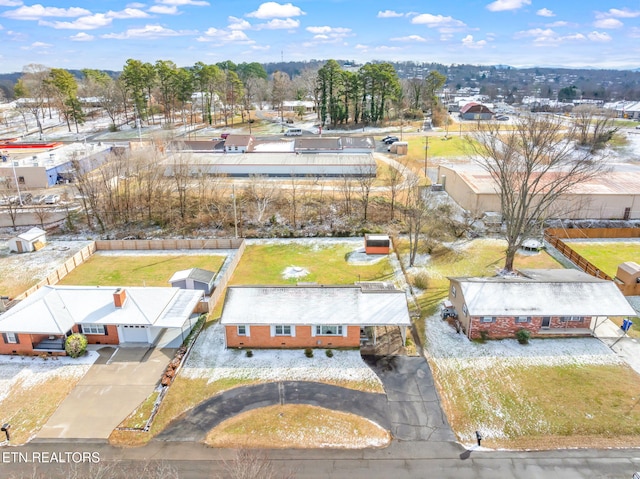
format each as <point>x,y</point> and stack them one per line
<point>297,426</point>
<point>542,407</point>
<point>608,255</point>
<point>325,262</point>
<point>130,270</point>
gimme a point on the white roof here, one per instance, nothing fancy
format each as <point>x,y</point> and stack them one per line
<point>32,235</point>
<point>55,309</point>
<point>308,305</point>
<point>526,297</point>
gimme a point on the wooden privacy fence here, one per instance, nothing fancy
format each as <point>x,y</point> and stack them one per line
<point>553,237</point>
<point>168,244</point>
<point>221,286</point>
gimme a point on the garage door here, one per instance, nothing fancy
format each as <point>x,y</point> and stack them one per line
<point>134,334</point>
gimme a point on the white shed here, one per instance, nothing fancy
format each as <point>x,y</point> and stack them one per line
<point>32,240</point>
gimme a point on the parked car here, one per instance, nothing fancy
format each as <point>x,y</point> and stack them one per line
<point>38,199</point>
<point>637,127</point>
<point>386,138</point>
<point>24,198</point>
<point>224,136</point>
<point>502,118</point>
<point>51,199</point>
<point>391,139</point>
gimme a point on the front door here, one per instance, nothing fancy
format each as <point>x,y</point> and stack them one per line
<point>546,321</point>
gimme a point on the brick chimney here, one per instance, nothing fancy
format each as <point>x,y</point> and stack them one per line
<point>119,297</point>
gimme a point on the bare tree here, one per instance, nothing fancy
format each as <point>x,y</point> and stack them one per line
<point>365,183</point>
<point>416,211</point>
<point>594,126</point>
<point>261,193</point>
<point>42,212</point>
<point>347,187</point>
<point>293,199</point>
<point>395,176</point>
<point>532,165</point>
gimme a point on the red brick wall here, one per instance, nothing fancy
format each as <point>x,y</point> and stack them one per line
<point>260,337</point>
<point>506,327</point>
<point>24,347</point>
<point>111,338</point>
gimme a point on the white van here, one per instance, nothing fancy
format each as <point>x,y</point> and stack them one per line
<point>293,132</point>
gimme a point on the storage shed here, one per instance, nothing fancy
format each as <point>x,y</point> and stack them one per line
<point>194,278</point>
<point>32,240</point>
<point>377,244</point>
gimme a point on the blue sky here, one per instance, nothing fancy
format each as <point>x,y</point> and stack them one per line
<point>105,33</point>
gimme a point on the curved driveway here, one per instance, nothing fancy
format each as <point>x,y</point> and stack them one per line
<point>410,409</point>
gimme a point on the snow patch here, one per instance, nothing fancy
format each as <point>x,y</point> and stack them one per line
<point>294,272</point>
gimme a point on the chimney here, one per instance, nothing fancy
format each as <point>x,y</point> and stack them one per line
<point>119,297</point>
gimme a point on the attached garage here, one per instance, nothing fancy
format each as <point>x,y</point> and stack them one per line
<point>134,333</point>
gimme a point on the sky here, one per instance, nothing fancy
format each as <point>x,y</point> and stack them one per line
<point>103,34</point>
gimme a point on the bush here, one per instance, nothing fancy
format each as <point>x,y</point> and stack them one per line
<point>76,345</point>
<point>249,353</point>
<point>329,353</point>
<point>523,336</point>
<point>484,335</point>
<point>308,352</point>
<point>420,280</point>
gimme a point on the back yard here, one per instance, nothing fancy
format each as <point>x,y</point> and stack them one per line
<point>607,254</point>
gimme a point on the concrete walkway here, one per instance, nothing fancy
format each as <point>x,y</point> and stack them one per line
<point>112,388</point>
<point>621,344</point>
<point>410,409</point>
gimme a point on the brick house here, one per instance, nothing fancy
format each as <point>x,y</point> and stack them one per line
<point>306,316</point>
<point>105,315</point>
<point>545,302</point>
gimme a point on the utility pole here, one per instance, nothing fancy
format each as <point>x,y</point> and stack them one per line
<point>426,155</point>
<point>15,177</point>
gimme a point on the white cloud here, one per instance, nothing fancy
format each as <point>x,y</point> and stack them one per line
<point>545,12</point>
<point>37,11</point>
<point>409,38</point>
<point>164,9</point>
<point>544,37</point>
<point>389,14</point>
<point>327,30</point>
<point>128,13</point>
<point>503,5</point>
<point>148,31</point>
<point>136,5</point>
<point>634,32</point>
<point>599,37</point>
<point>224,36</point>
<point>236,23</point>
<point>610,23</point>
<point>437,21</point>
<point>81,37</point>
<point>279,24</point>
<point>469,43</point>
<point>10,3</point>
<point>619,13</point>
<point>327,34</point>
<point>276,10</point>
<point>90,22</point>
<point>559,23</point>
<point>260,47</point>
<point>197,3</point>
<point>36,45</point>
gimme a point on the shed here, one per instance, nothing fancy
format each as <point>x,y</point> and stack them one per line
<point>475,111</point>
<point>194,278</point>
<point>31,240</point>
<point>377,244</point>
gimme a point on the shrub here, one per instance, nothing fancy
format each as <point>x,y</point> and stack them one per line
<point>420,280</point>
<point>523,335</point>
<point>76,345</point>
<point>249,353</point>
<point>308,352</point>
<point>484,335</point>
<point>329,353</point>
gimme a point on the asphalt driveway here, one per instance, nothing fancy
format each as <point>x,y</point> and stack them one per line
<point>114,386</point>
<point>410,409</point>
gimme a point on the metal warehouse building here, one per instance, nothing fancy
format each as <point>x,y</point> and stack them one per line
<point>278,164</point>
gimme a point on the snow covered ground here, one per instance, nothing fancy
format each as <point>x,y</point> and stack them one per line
<point>27,372</point>
<point>209,359</point>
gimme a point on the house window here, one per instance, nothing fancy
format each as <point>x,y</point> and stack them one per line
<point>92,328</point>
<point>282,330</point>
<point>523,319</point>
<point>573,319</point>
<point>242,330</point>
<point>464,310</point>
<point>11,338</point>
<point>328,330</point>
<point>488,319</point>
<point>453,291</point>
<point>21,180</point>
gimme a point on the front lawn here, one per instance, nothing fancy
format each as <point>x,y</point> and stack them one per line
<point>571,392</point>
<point>137,270</point>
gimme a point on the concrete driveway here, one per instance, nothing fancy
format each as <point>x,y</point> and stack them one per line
<point>114,386</point>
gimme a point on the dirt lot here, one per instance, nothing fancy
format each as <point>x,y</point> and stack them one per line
<point>19,272</point>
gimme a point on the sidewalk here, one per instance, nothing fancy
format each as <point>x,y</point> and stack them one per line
<point>627,348</point>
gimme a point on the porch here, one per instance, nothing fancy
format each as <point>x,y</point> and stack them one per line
<point>51,344</point>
